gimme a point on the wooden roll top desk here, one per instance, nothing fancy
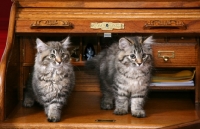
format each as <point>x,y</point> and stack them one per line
<point>175,25</point>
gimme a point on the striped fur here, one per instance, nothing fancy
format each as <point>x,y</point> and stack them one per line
<point>52,79</point>
<point>124,71</point>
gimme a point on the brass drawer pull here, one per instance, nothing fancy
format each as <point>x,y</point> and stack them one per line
<point>51,24</point>
<point>165,24</point>
<point>107,26</point>
<point>165,58</point>
<point>166,55</point>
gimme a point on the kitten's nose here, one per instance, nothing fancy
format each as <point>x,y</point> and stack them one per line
<point>58,60</point>
<point>139,64</point>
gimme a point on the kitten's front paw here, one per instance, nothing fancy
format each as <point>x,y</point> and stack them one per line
<point>120,111</point>
<point>53,119</point>
<point>106,106</point>
<point>106,103</point>
<point>53,116</point>
<point>28,102</point>
<point>138,113</point>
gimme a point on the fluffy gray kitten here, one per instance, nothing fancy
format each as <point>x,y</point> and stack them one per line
<point>52,79</point>
<point>124,71</point>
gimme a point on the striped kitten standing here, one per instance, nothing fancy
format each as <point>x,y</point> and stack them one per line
<point>52,79</point>
<point>124,71</point>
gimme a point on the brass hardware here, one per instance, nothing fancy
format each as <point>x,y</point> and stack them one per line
<point>165,58</point>
<point>166,55</point>
<point>156,24</point>
<point>51,23</point>
<point>107,25</point>
<point>105,120</point>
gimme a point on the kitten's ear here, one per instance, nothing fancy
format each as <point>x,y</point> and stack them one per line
<point>66,42</point>
<point>41,46</point>
<point>124,44</point>
<point>140,39</point>
<point>149,39</point>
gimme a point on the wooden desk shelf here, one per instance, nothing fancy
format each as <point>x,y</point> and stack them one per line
<point>175,26</point>
<point>83,109</point>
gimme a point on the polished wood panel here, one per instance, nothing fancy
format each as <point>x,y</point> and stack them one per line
<point>111,3</point>
<point>83,109</point>
<point>12,79</point>
<point>5,60</point>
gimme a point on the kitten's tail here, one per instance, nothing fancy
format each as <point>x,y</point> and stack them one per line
<point>94,63</point>
<point>91,63</point>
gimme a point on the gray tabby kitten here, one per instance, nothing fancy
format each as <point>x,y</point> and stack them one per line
<point>52,79</point>
<point>124,71</point>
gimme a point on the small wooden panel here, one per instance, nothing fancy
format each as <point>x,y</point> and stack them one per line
<point>28,50</point>
<point>175,54</point>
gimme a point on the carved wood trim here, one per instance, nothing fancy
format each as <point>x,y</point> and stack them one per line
<point>163,24</point>
<point>51,23</point>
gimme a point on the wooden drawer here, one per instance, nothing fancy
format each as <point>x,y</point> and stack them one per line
<point>46,20</point>
<point>175,54</point>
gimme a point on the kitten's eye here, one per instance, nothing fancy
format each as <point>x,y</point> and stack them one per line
<point>63,55</point>
<point>144,55</point>
<point>54,51</point>
<point>52,55</point>
<point>132,56</point>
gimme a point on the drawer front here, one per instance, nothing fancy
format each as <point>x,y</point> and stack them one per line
<point>175,54</point>
<point>41,20</point>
